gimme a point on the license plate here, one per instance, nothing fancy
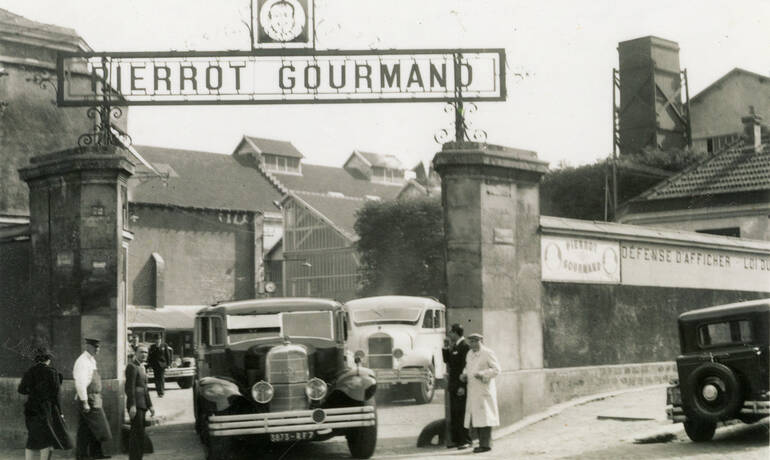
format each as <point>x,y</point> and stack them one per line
<point>295,436</point>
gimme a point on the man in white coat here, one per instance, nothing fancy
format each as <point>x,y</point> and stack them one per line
<point>481,367</point>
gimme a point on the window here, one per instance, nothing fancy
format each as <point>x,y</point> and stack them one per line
<point>203,331</point>
<point>217,331</point>
<point>427,322</point>
<point>724,333</point>
<point>278,163</point>
<point>438,321</point>
<point>387,175</point>
<point>211,331</point>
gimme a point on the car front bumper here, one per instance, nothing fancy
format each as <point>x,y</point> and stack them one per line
<point>291,421</point>
<point>395,376</point>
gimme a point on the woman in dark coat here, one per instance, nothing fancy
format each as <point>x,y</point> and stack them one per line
<point>42,414</point>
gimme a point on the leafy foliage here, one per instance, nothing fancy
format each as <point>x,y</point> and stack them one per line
<point>401,246</point>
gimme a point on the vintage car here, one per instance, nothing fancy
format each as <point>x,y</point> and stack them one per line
<point>181,371</point>
<point>274,370</point>
<point>400,338</point>
<point>723,369</point>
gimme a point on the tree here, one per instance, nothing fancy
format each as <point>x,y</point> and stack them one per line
<point>401,248</point>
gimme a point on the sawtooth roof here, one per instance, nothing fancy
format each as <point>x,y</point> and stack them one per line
<point>202,180</point>
<point>324,179</point>
<point>340,211</point>
<point>739,168</point>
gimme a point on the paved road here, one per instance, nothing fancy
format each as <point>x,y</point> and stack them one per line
<point>593,430</point>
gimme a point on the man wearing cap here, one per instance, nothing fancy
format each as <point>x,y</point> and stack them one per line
<point>454,352</point>
<point>481,367</point>
<point>93,428</point>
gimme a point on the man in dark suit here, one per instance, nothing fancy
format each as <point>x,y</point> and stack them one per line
<point>454,353</point>
<point>138,402</point>
<point>160,357</point>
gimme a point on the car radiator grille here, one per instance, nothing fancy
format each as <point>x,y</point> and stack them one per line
<point>288,373</point>
<point>381,352</point>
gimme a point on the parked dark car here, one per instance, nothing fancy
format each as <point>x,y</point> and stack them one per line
<point>723,369</point>
<point>274,370</point>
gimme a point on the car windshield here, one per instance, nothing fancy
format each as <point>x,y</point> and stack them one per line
<point>304,324</point>
<point>397,315</point>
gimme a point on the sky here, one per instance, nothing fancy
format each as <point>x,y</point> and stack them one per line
<point>560,58</point>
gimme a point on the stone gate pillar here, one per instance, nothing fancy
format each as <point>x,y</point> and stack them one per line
<point>78,208</point>
<point>490,196</point>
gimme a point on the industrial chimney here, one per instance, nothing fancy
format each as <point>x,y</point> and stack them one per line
<point>651,113</point>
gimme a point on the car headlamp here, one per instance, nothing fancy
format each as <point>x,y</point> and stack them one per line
<point>316,389</point>
<point>359,354</point>
<point>398,353</point>
<point>262,392</point>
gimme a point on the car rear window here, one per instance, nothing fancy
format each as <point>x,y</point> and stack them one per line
<point>725,332</point>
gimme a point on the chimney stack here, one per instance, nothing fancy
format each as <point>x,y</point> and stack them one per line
<point>752,129</point>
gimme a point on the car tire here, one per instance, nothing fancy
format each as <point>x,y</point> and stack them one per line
<point>712,393</point>
<point>699,430</point>
<point>185,382</point>
<point>362,441</point>
<point>424,391</point>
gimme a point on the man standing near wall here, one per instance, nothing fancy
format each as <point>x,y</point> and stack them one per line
<point>138,402</point>
<point>160,358</point>
<point>93,428</point>
<point>481,411</point>
<point>454,352</point>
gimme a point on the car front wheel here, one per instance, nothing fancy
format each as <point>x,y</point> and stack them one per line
<point>424,391</point>
<point>362,441</point>
<point>699,430</point>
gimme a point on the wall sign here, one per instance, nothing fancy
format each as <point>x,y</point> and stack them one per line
<point>579,260</point>
<point>646,264</point>
<point>281,77</point>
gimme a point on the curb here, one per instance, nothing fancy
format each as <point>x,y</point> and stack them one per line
<point>559,408</point>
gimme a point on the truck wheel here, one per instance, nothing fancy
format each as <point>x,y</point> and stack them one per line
<point>185,382</point>
<point>424,391</point>
<point>700,431</point>
<point>712,393</point>
<point>362,441</point>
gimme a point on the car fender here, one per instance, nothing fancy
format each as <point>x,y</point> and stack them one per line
<point>357,382</point>
<point>218,391</point>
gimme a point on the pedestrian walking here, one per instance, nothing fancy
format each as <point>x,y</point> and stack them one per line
<point>93,428</point>
<point>454,352</point>
<point>481,414</point>
<point>138,402</point>
<point>160,357</point>
<point>42,414</point>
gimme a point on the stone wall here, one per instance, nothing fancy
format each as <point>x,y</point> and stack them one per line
<point>597,324</point>
<point>15,261</point>
<point>207,257</point>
